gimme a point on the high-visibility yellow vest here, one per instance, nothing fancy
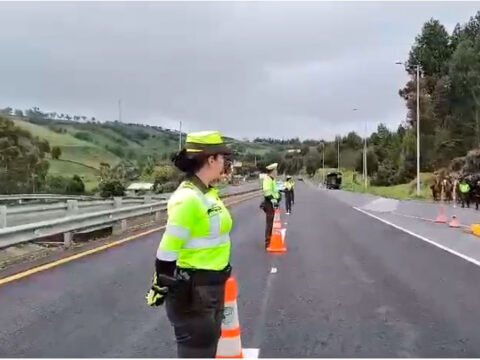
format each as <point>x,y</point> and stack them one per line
<point>197,235</point>
<point>464,187</point>
<point>288,185</point>
<point>270,188</point>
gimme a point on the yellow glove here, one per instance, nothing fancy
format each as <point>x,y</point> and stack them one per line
<point>156,295</point>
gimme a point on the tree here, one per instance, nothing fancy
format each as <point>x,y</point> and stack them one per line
<point>148,167</point>
<point>18,113</point>
<point>372,162</point>
<point>6,111</point>
<point>111,188</point>
<point>44,146</point>
<point>313,162</point>
<point>56,184</point>
<point>22,168</point>
<point>431,50</point>
<point>465,83</point>
<point>75,186</point>
<point>56,152</point>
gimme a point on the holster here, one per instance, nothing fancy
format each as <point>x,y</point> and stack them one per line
<point>189,279</point>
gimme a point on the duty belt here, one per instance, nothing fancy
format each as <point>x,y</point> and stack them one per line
<point>205,277</point>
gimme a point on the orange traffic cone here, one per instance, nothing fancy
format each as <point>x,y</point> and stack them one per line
<point>442,216</point>
<point>454,223</point>
<point>230,343</point>
<point>277,244</point>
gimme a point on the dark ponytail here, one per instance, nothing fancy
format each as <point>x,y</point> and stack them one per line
<point>187,163</point>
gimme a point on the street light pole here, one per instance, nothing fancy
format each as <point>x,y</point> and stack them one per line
<point>323,164</point>
<point>418,130</point>
<point>418,123</point>
<point>338,154</point>
<point>180,138</point>
<point>365,167</point>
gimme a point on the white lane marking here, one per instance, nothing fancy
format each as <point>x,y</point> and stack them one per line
<point>262,315</point>
<point>273,270</point>
<point>251,353</point>
<point>447,249</point>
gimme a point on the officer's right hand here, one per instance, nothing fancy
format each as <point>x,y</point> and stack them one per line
<point>156,295</point>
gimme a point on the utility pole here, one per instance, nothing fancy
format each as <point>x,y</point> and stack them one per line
<point>180,138</point>
<point>323,163</point>
<point>120,110</point>
<point>365,167</point>
<point>418,123</point>
<point>338,153</point>
<point>418,130</point>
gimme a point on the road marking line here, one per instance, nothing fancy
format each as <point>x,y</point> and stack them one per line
<point>251,353</point>
<point>447,249</point>
<point>68,259</point>
<point>261,318</point>
<point>273,270</point>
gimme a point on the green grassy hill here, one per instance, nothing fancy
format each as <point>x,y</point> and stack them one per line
<point>88,174</point>
<point>85,145</point>
<point>73,149</point>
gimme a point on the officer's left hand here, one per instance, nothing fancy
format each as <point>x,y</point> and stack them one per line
<point>156,295</point>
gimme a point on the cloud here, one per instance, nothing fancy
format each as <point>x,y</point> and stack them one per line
<point>250,69</point>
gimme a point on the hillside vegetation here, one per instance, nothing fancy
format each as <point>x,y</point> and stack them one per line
<point>97,150</point>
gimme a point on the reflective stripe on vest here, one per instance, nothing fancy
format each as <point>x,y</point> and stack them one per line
<point>215,224</point>
<point>213,239</point>
<point>166,255</point>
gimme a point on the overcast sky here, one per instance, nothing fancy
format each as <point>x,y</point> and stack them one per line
<point>248,69</point>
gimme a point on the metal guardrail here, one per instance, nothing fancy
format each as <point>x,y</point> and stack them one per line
<point>25,209</point>
<point>83,198</point>
<point>15,235</point>
<point>16,197</point>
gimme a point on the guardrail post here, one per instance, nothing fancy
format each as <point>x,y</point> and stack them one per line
<point>3,216</point>
<point>67,239</point>
<point>72,207</point>
<point>117,202</point>
<point>120,227</point>
<point>147,199</point>
<point>157,216</point>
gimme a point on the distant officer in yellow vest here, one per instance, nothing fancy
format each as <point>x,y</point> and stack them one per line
<point>271,199</point>
<point>288,185</point>
<point>192,262</point>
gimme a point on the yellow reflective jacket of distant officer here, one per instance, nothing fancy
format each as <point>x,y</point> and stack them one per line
<point>289,186</point>
<point>192,262</point>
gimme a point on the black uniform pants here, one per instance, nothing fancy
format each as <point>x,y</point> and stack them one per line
<point>465,198</point>
<point>196,313</point>
<point>270,214</point>
<point>288,200</point>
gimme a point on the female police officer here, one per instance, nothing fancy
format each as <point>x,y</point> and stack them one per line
<point>193,259</point>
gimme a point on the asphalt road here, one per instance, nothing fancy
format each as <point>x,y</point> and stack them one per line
<point>349,286</point>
